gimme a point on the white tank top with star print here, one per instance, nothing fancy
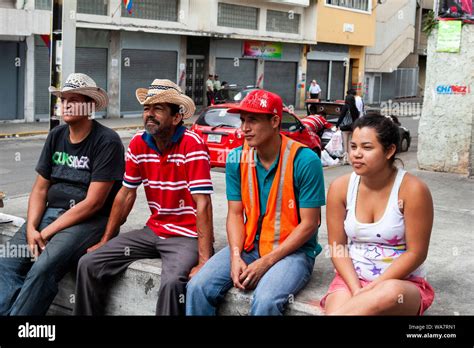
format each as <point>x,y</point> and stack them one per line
<point>374,246</point>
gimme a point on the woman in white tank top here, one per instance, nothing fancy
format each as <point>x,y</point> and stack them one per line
<point>379,222</point>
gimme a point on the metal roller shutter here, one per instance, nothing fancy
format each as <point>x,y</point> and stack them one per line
<point>338,77</point>
<point>11,83</point>
<point>42,79</point>
<point>243,75</point>
<point>280,78</point>
<point>318,70</point>
<point>139,69</point>
<point>93,62</point>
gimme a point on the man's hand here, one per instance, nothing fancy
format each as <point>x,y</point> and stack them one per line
<point>195,269</point>
<point>35,241</point>
<point>96,246</point>
<point>254,272</point>
<point>237,267</point>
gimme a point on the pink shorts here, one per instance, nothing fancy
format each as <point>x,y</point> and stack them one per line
<point>426,291</point>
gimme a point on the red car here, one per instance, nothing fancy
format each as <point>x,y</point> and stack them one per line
<point>221,131</point>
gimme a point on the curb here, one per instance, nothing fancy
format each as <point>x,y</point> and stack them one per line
<point>22,134</point>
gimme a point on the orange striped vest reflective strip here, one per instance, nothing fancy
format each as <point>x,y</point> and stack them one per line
<point>281,216</point>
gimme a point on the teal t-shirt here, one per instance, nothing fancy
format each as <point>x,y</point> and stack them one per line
<point>307,178</point>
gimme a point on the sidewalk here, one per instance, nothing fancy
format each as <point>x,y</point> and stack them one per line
<point>17,129</point>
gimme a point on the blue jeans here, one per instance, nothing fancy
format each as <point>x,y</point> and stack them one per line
<point>28,286</point>
<point>287,277</point>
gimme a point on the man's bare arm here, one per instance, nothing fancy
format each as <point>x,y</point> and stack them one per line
<point>205,229</point>
<point>36,208</point>
<point>236,237</point>
<point>123,204</point>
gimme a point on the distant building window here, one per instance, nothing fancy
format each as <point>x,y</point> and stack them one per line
<point>96,7</point>
<point>362,5</point>
<point>236,16</point>
<point>43,5</point>
<point>283,22</point>
<point>161,10</point>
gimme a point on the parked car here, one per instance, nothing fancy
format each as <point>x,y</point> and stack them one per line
<point>221,131</point>
<point>405,137</point>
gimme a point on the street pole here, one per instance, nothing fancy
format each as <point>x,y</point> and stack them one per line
<point>55,60</point>
<point>63,51</point>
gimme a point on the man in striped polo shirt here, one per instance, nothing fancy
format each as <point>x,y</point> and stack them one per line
<point>174,166</point>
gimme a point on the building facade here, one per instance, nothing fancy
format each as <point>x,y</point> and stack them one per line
<point>279,45</point>
<point>18,28</point>
<point>344,31</point>
<point>396,64</point>
<point>244,42</point>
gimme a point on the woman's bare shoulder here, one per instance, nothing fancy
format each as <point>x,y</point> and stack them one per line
<point>412,186</point>
<point>339,185</point>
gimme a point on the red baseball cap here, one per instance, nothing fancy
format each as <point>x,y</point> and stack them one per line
<point>260,101</point>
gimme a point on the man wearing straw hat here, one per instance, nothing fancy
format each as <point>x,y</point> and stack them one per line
<point>174,166</point>
<point>79,173</point>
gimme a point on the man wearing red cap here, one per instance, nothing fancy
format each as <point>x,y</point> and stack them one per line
<point>275,190</point>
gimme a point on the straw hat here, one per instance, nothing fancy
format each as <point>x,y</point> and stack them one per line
<point>166,91</point>
<point>82,84</point>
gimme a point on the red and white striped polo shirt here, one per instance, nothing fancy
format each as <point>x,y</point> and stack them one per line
<point>170,179</point>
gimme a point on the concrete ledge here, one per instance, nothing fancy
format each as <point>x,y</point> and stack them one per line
<point>10,224</point>
<point>135,292</point>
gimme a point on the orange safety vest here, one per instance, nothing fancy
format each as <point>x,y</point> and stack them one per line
<point>281,216</point>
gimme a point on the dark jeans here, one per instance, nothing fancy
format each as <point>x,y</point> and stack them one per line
<point>28,286</point>
<point>210,97</point>
<point>286,277</point>
<point>178,254</point>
